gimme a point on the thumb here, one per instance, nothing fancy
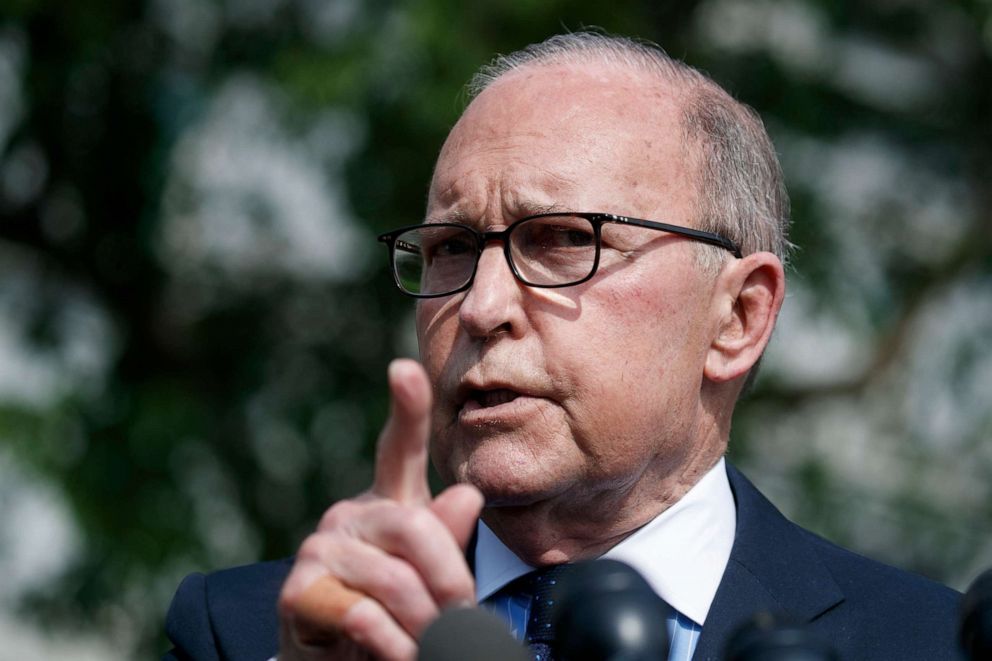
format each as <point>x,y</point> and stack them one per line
<point>459,507</point>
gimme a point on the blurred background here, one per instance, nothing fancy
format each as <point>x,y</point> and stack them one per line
<point>195,318</point>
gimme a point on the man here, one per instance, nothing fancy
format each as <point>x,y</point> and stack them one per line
<point>600,271</point>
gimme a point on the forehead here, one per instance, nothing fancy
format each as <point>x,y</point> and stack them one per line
<point>600,137</point>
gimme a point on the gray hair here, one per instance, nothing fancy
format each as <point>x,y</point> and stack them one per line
<point>741,193</point>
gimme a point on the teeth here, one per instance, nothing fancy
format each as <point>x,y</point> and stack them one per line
<point>495,397</point>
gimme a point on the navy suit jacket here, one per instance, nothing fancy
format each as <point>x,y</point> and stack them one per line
<point>867,610</point>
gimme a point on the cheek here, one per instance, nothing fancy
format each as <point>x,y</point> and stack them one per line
<point>640,362</point>
<point>637,330</point>
<point>435,334</point>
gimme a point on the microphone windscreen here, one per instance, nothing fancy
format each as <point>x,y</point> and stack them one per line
<point>606,611</point>
<point>976,618</point>
<point>766,637</point>
<point>469,633</point>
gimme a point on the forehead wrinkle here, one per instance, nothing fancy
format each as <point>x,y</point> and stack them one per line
<point>518,204</point>
<point>515,210</point>
<point>507,197</point>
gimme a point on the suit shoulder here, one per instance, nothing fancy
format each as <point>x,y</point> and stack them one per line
<point>220,613</point>
<point>187,623</point>
<point>246,580</point>
<point>887,612</point>
<point>862,577</point>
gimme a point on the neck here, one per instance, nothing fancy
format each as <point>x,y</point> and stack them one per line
<point>579,527</point>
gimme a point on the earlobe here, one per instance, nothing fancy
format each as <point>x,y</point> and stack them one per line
<point>748,297</point>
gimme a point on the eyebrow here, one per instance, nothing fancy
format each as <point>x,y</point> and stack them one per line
<point>456,216</point>
<point>522,210</point>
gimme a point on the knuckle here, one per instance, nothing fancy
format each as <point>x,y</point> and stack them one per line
<point>312,547</point>
<point>421,521</point>
<point>321,549</point>
<point>397,580</point>
<point>369,628</point>
<point>337,515</point>
<point>411,524</point>
<point>453,586</point>
<point>361,624</point>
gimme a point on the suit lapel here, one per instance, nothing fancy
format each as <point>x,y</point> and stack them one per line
<point>772,568</point>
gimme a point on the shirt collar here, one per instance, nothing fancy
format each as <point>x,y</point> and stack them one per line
<point>681,553</point>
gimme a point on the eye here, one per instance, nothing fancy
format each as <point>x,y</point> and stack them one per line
<point>570,237</point>
<point>445,243</point>
<point>558,233</point>
<point>452,246</point>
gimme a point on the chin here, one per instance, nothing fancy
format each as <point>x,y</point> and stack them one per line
<point>508,468</point>
<point>508,484</point>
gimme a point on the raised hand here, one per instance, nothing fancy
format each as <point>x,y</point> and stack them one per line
<point>380,567</point>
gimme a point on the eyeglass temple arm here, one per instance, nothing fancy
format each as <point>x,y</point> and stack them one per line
<point>699,235</point>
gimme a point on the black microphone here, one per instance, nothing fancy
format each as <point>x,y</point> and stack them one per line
<point>469,633</point>
<point>976,619</point>
<point>767,637</point>
<point>606,611</point>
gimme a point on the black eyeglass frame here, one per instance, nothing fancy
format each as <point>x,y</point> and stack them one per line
<point>595,219</point>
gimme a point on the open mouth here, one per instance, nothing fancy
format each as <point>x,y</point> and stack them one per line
<point>488,398</point>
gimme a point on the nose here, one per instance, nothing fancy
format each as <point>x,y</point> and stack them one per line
<point>493,304</point>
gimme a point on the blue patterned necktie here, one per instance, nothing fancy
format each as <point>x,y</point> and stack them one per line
<point>539,586</point>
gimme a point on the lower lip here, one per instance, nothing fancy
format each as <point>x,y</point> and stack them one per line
<point>472,414</point>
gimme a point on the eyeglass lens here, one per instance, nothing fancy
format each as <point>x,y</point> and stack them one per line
<point>555,250</point>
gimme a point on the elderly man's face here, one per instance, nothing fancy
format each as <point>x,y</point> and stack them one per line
<point>558,395</point>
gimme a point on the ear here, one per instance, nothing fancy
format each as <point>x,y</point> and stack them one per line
<point>747,298</point>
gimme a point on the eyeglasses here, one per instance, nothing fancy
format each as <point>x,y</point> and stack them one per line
<point>545,250</point>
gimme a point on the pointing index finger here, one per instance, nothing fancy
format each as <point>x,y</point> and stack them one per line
<point>401,453</point>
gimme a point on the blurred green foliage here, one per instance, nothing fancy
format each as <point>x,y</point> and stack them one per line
<point>205,395</point>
